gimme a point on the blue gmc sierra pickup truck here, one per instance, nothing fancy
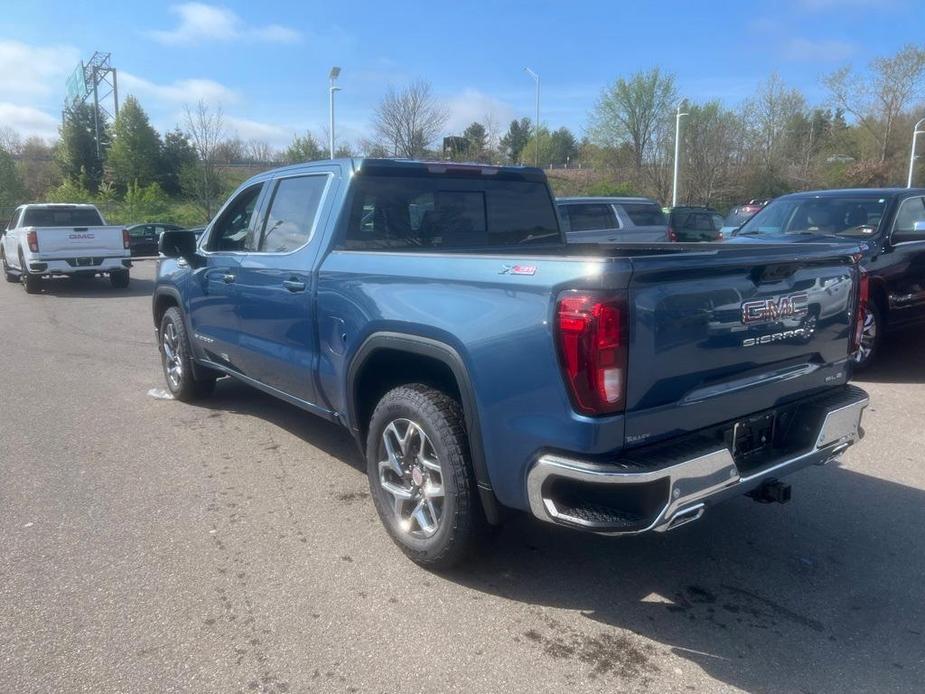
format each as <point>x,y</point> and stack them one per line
<point>483,365</point>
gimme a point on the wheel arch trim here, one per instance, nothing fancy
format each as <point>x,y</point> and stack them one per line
<point>452,359</point>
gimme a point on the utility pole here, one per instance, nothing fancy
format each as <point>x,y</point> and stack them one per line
<point>915,133</point>
<point>335,73</point>
<point>677,150</point>
<point>536,126</point>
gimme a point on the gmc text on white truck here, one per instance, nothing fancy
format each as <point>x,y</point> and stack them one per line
<point>63,239</point>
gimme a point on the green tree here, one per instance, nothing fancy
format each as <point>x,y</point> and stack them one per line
<point>477,141</point>
<point>76,151</point>
<point>635,111</point>
<point>516,138</point>
<point>303,148</point>
<point>176,153</point>
<point>11,188</point>
<point>134,157</point>
<point>143,203</point>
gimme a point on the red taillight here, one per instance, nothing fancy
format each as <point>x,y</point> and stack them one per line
<point>718,236</point>
<point>672,236</point>
<point>126,241</point>
<point>591,332</point>
<point>860,309</point>
<point>33,240</point>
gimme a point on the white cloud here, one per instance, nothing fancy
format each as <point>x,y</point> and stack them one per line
<point>246,129</point>
<point>472,105</point>
<point>201,22</point>
<point>28,121</point>
<point>185,91</point>
<point>34,71</point>
<point>830,50</point>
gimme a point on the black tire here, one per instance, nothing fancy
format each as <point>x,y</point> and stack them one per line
<point>119,279</point>
<point>182,384</point>
<point>462,523</point>
<point>7,273</point>
<point>31,283</point>
<point>872,338</point>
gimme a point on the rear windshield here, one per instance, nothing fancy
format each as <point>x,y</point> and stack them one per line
<point>389,212</point>
<point>61,217</point>
<point>696,220</point>
<point>851,215</point>
<point>644,214</point>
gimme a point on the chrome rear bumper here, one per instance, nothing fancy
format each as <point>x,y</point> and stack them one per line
<point>680,486</point>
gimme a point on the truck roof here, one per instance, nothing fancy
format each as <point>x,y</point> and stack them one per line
<point>606,198</point>
<point>410,167</point>
<point>60,205</point>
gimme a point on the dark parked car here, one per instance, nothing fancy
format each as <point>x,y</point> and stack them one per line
<point>612,220</point>
<point>143,237</point>
<point>688,224</point>
<point>890,221</point>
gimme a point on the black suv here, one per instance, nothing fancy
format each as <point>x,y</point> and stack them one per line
<point>890,222</point>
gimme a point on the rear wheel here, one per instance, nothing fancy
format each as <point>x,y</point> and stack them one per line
<point>420,476</point>
<point>119,279</point>
<point>176,359</point>
<point>31,283</point>
<point>871,336</point>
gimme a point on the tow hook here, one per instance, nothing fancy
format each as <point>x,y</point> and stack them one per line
<point>771,492</point>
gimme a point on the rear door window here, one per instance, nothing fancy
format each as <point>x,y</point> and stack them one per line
<point>644,214</point>
<point>591,217</point>
<point>292,213</point>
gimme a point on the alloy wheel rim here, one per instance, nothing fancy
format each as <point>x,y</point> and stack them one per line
<point>411,474</point>
<point>173,366</point>
<point>868,337</point>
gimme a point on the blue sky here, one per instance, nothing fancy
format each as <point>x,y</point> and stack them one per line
<point>267,63</point>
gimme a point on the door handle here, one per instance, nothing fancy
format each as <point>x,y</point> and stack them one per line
<point>294,285</point>
<point>228,278</point>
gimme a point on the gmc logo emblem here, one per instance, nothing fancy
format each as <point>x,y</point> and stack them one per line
<point>790,306</point>
<point>81,237</point>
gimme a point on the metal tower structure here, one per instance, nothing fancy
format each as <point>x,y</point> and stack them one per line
<point>95,78</point>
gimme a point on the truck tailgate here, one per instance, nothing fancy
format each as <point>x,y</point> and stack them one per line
<point>718,335</point>
<point>68,242</point>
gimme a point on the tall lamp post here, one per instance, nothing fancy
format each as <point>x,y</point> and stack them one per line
<point>677,149</point>
<point>335,73</point>
<point>916,131</point>
<point>536,127</point>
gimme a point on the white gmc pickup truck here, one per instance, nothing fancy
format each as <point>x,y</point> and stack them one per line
<point>63,239</point>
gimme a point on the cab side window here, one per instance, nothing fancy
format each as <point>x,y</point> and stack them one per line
<point>234,230</point>
<point>14,220</point>
<point>911,210</point>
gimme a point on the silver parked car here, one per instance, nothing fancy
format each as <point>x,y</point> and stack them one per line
<point>612,220</point>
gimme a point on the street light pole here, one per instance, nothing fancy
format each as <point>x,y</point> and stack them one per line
<point>536,127</point>
<point>915,133</point>
<point>677,148</point>
<point>335,72</point>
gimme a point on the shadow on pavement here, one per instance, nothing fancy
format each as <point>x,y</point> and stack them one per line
<point>94,288</point>
<point>233,396</point>
<point>901,359</point>
<point>826,594</point>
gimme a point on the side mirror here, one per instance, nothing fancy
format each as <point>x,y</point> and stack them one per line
<point>177,244</point>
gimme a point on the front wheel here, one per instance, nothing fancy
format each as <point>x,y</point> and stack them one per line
<point>7,273</point>
<point>177,362</point>
<point>871,336</point>
<point>421,480</point>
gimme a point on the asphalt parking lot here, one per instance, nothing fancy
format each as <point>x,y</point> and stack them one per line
<point>147,545</point>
